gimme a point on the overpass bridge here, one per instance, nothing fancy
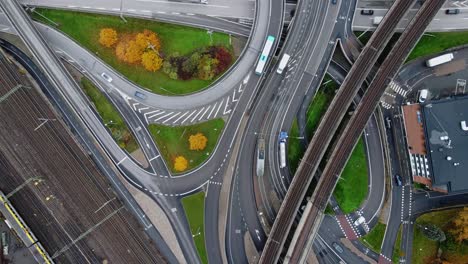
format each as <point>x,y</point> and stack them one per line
<point>327,128</point>
<point>348,139</point>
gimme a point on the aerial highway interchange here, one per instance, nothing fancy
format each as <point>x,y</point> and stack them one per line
<point>257,208</point>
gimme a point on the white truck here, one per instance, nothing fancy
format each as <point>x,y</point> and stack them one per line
<point>439,60</point>
<point>283,63</point>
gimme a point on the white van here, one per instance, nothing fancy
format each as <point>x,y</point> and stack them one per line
<point>283,63</point>
<point>423,95</point>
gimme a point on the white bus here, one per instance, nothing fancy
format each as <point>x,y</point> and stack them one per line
<point>282,150</point>
<point>283,63</point>
<point>264,56</point>
<point>439,60</point>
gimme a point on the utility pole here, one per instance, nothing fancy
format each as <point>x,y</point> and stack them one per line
<point>121,11</point>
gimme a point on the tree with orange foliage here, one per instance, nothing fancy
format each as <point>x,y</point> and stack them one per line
<point>120,50</point>
<point>133,52</point>
<point>108,37</point>
<point>197,141</point>
<point>180,163</point>
<point>460,229</point>
<point>151,61</point>
<point>148,40</point>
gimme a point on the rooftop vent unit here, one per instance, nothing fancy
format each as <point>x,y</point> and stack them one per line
<point>464,126</point>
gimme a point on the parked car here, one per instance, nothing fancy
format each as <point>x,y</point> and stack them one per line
<point>452,11</point>
<point>367,12</point>
<point>337,247</point>
<point>106,77</point>
<point>398,181</point>
<point>333,2</point>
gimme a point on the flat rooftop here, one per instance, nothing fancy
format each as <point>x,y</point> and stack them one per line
<point>445,123</point>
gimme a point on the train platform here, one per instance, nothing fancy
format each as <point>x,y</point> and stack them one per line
<point>16,223</point>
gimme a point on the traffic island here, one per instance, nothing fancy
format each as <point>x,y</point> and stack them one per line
<point>186,147</point>
<point>183,60</point>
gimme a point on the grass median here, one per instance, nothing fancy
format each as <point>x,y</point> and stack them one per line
<point>174,141</point>
<point>84,28</point>
<point>374,238</point>
<point>314,113</point>
<point>110,116</point>
<point>351,189</point>
<point>194,209</point>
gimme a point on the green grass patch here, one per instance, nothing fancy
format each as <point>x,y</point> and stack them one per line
<point>374,238</point>
<point>314,113</point>
<point>396,248</point>
<point>84,28</point>
<point>320,104</point>
<point>425,250</point>
<point>174,141</point>
<point>110,116</point>
<point>432,43</point>
<point>351,189</point>
<point>295,148</point>
<point>194,209</point>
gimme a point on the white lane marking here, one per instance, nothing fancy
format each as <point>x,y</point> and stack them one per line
<point>161,117</point>
<point>148,113</point>
<point>208,108</point>
<point>180,117</point>
<point>211,112</point>
<point>234,96</point>
<point>178,113</point>
<point>155,157</point>
<point>188,117</point>
<point>195,117</point>
<point>121,160</point>
<point>219,107</point>
<point>160,113</point>
<point>143,108</point>
<point>225,107</point>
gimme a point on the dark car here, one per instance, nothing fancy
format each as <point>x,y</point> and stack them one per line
<point>452,11</point>
<point>333,2</point>
<point>367,12</point>
<point>398,180</point>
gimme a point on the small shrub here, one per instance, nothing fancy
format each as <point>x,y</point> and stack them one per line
<point>180,163</point>
<point>151,61</point>
<point>108,37</point>
<point>197,141</point>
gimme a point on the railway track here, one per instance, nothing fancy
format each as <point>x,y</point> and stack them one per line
<point>354,128</point>
<point>327,127</point>
<point>72,210</point>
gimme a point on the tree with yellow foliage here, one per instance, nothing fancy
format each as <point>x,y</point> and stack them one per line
<point>108,37</point>
<point>197,141</point>
<point>151,61</point>
<point>133,52</point>
<point>148,40</point>
<point>180,163</point>
<point>460,222</point>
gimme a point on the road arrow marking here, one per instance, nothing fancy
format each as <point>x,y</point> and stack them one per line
<point>225,108</point>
